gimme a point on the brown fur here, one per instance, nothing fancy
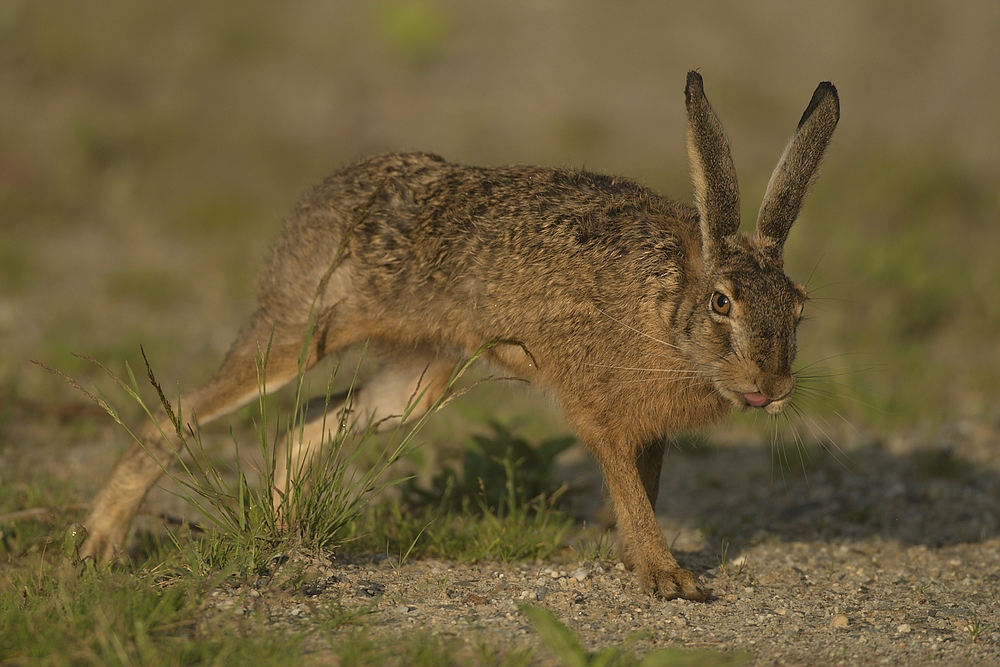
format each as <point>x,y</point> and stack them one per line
<point>607,285</point>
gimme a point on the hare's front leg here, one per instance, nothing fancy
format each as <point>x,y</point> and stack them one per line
<point>632,476</point>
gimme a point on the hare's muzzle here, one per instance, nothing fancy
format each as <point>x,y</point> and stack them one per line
<point>774,401</point>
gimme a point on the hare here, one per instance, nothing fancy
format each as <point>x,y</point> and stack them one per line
<point>643,315</point>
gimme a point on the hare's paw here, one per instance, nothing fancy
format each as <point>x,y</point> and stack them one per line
<point>672,583</point>
<point>104,540</point>
<point>98,548</point>
<point>101,548</point>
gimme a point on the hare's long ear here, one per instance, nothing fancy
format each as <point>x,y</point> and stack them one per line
<point>716,190</point>
<point>797,169</point>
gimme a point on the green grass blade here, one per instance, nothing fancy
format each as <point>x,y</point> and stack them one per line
<point>559,638</point>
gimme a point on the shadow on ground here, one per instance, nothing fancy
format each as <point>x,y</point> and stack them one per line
<point>937,490</point>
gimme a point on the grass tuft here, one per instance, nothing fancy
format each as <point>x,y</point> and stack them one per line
<point>251,522</point>
<point>599,547</point>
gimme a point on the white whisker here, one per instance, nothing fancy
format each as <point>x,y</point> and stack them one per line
<point>646,370</point>
<point>660,379</point>
<point>631,328</point>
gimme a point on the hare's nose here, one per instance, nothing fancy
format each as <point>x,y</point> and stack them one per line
<point>774,388</point>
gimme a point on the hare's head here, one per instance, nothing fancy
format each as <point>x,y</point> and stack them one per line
<point>739,319</point>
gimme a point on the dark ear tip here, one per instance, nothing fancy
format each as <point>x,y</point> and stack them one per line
<point>695,85</point>
<point>827,89</point>
<point>824,91</point>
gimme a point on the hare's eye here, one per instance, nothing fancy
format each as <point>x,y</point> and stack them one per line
<point>721,303</point>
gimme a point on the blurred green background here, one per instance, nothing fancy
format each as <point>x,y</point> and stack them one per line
<point>149,150</point>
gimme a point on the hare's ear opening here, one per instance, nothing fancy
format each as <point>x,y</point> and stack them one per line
<point>797,169</point>
<point>716,189</point>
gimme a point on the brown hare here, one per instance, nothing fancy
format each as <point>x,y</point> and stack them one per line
<point>643,315</point>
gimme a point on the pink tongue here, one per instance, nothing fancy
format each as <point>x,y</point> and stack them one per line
<point>757,400</point>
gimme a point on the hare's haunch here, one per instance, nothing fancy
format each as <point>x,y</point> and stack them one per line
<point>642,314</point>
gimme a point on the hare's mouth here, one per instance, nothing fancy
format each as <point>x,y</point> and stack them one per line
<point>755,400</point>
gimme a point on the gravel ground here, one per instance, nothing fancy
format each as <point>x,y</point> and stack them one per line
<point>852,602</point>
<point>873,551</point>
<point>881,552</point>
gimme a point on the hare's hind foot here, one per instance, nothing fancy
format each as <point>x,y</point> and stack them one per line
<point>106,535</point>
<point>238,381</point>
<point>116,504</point>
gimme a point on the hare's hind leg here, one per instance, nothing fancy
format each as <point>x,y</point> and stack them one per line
<point>236,383</point>
<point>402,391</point>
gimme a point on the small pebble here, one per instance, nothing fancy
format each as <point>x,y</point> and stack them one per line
<point>839,621</point>
<point>903,628</point>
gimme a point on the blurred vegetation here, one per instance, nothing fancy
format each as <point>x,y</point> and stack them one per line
<point>905,288</point>
<point>415,29</point>
<point>148,152</point>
